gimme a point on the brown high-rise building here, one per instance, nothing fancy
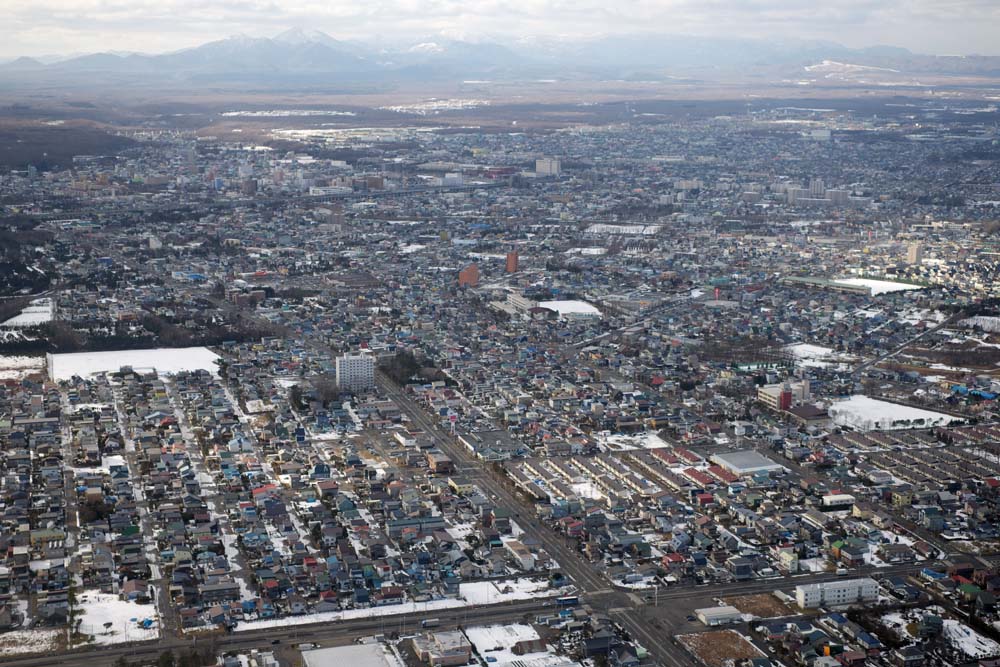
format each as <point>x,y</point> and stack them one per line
<point>512,262</point>
<point>469,276</point>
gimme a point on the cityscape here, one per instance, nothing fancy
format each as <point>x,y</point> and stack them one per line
<point>455,356</point>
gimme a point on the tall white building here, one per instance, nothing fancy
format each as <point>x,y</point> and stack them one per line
<point>548,166</point>
<point>836,593</point>
<point>356,372</point>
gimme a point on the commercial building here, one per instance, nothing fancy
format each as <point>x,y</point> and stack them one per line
<point>712,616</point>
<point>356,372</point>
<point>836,593</point>
<point>915,253</point>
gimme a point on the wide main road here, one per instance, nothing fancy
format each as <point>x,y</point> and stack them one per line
<point>583,573</point>
<point>328,633</point>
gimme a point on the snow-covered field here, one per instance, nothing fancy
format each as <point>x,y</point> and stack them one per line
<point>622,442</point>
<point>815,356</point>
<point>984,322</point>
<point>969,641</point>
<point>868,414</point>
<point>163,360</point>
<point>878,287</point>
<point>100,609</point>
<point>22,642</point>
<point>18,368</point>
<point>39,311</point>
<point>474,593</point>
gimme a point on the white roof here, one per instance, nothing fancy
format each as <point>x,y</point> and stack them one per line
<point>355,655</point>
<point>567,307</point>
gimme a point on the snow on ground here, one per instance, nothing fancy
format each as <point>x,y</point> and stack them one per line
<point>99,609</point>
<point>163,360</point>
<point>878,287</point>
<point>815,356</point>
<point>38,311</point>
<point>868,414</point>
<point>969,641</point>
<point>622,442</point>
<point>18,368</point>
<point>475,593</point>
<point>21,642</point>
<point>814,565</point>
<point>984,322</point>
<point>587,490</point>
<point>565,308</point>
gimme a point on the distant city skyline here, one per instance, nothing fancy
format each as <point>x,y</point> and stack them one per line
<point>63,27</point>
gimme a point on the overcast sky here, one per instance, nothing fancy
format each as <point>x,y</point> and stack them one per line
<point>40,27</point>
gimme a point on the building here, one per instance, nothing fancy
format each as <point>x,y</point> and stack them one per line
<point>712,616</point>
<point>469,276</point>
<point>512,262</point>
<point>572,310</point>
<point>443,649</point>
<point>783,396</point>
<point>356,372</point>
<point>521,554</point>
<point>915,253</point>
<point>836,593</point>
<point>548,166</point>
<point>745,462</point>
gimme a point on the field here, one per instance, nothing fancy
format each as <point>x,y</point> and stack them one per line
<point>763,605</point>
<point>54,142</point>
<point>718,649</point>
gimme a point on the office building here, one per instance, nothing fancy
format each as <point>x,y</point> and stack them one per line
<point>915,253</point>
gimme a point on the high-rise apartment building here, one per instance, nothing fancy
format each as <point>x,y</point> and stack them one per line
<point>512,260</point>
<point>548,166</point>
<point>355,372</point>
<point>469,276</point>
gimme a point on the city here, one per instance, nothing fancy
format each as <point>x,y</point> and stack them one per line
<point>454,382</point>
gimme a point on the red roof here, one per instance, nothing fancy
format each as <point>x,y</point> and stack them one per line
<point>665,455</point>
<point>697,476</point>
<point>687,455</point>
<point>722,474</point>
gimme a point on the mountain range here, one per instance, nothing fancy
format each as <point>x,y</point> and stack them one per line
<point>300,57</point>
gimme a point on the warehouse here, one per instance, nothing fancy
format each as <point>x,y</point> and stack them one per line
<point>712,616</point>
<point>746,462</point>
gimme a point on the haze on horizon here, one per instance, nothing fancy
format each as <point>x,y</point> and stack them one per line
<point>63,27</point>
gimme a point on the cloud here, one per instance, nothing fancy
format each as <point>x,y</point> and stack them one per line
<point>63,26</point>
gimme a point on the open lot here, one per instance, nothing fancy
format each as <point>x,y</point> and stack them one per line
<point>716,649</point>
<point>761,605</point>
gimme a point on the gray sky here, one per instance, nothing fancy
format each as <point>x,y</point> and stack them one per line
<point>39,27</point>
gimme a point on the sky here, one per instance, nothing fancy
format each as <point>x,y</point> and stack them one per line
<point>43,27</point>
